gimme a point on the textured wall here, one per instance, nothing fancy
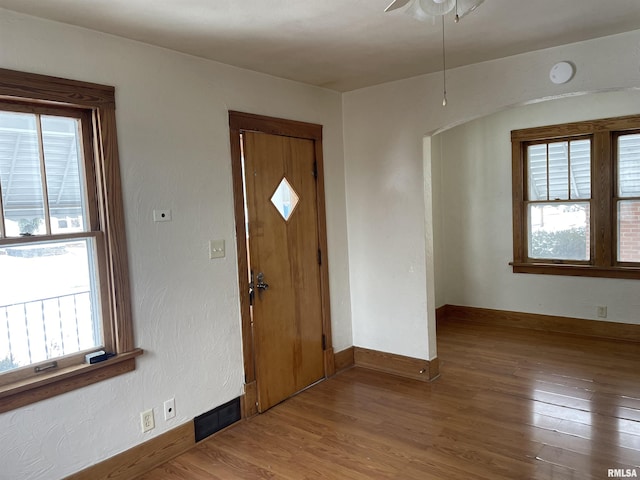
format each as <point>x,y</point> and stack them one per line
<point>475,209</point>
<point>383,131</point>
<point>174,149</point>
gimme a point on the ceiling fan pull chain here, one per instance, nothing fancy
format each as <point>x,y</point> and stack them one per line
<point>444,68</point>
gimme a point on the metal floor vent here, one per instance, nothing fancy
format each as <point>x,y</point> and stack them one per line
<point>215,420</point>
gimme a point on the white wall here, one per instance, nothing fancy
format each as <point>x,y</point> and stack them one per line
<point>383,130</point>
<point>174,150</point>
<point>476,228</point>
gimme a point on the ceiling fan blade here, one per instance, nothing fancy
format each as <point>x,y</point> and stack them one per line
<point>465,7</point>
<point>396,4</point>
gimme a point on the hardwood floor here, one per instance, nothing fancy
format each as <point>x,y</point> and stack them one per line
<point>510,404</point>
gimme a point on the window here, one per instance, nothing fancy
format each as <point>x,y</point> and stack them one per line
<point>64,288</point>
<point>627,198</point>
<point>576,198</point>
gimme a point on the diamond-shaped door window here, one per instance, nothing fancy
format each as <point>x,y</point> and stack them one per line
<point>285,199</point>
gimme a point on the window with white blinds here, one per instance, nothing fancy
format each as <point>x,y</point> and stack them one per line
<point>576,198</point>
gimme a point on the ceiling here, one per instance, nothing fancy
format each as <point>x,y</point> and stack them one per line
<point>341,44</point>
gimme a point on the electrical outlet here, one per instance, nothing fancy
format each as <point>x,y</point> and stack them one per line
<point>148,423</point>
<point>602,311</point>
<point>170,408</point>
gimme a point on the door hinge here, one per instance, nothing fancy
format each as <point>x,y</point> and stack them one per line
<point>324,342</point>
<point>315,169</point>
<point>319,257</point>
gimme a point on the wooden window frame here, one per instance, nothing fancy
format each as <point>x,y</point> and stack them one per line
<point>96,104</point>
<point>603,134</point>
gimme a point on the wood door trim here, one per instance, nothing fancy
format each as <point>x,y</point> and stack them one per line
<point>275,126</point>
<point>329,364</point>
<point>238,123</point>
<point>241,247</point>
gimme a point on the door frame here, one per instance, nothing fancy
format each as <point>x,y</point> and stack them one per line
<point>240,122</point>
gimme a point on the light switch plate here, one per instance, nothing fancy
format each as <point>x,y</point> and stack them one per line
<point>216,249</point>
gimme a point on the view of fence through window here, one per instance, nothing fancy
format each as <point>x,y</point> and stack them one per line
<point>49,303</point>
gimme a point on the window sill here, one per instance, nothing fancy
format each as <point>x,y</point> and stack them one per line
<point>576,270</point>
<point>48,385</point>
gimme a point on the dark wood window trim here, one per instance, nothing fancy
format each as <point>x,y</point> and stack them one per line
<point>98,101</point>
<point>603,134</point>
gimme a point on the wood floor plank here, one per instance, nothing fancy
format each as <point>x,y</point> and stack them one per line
<point>510,404</point>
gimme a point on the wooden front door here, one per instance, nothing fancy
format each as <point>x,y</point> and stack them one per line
<point>284,264</point>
